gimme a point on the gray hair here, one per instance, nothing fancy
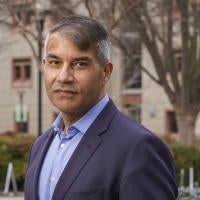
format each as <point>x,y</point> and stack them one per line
<point>85,32</point>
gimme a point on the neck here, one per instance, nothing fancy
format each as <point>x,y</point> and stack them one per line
<point>70,118</point>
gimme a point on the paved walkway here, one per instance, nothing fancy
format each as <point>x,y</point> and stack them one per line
<point>11,197</point>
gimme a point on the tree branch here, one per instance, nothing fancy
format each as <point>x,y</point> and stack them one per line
<point>168,48</point>
<point>154,30</point>
<point>183,7</point>
<point>120,44</point>
<point>124,14</point>
<point>155,55</point>
<point>30,44</point>
<point>151,75</point>
<point>87,5</point>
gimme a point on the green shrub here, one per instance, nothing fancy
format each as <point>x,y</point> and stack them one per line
<point>186,157</point>
<point>14,148</point>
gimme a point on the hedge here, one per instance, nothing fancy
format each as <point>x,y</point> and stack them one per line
<point>186,157</point>
<point>15,148</point>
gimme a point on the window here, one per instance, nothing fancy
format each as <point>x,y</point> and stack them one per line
<point>132,74</point>
<point>171,122</point>
<point>27,72</point>
<point>132,71</point>
<point>17,73</point>
<point>22,75</point>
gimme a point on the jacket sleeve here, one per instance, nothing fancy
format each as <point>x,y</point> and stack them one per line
<point>148,172</point>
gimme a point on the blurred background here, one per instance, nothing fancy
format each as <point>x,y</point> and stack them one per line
<point>156,77</point>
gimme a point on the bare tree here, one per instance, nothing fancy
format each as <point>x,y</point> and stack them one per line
<point>20,15</point>
<point>172,26</point>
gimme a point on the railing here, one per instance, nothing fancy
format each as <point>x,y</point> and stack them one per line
<point>190,192</point>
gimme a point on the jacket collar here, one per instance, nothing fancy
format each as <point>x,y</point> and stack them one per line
<point>87,146</point>
<point>36,158</point>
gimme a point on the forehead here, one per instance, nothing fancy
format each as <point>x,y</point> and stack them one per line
<point>59,41</point>
<point>56,40</point>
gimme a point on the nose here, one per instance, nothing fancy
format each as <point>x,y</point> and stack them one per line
<point>65,75</point>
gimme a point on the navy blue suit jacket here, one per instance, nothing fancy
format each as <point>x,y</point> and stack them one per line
<point>117,159</point>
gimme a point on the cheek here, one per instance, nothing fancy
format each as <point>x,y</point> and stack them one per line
<point>93,84</point>
<point>49,76</point>
<point>48,81</point>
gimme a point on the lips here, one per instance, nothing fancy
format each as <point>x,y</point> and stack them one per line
<point>65,92</point>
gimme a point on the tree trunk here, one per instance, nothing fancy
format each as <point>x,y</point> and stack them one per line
<point>186,127</point>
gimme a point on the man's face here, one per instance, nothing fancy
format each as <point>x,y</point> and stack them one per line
<point>74,80</point>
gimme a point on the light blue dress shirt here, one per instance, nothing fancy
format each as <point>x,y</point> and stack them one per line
<point>62,147</point>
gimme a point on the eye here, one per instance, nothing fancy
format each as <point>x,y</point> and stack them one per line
<point>54,63</point>
<point>80,65</point>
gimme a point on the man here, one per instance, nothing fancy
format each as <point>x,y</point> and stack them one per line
<point>92,151</point>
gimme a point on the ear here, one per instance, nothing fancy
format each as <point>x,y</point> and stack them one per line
<point>107,70</point>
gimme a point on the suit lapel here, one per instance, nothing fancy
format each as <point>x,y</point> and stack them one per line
<point>34,172</point>
<point>84,151</point>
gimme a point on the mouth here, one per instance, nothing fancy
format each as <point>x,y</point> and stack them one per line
<point>65,93</point>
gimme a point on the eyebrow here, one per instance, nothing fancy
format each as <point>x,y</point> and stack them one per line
<point>52,56</point>
<point>82,58</point>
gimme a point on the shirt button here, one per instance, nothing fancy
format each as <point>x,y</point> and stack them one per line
<point>52,179</point>
<point>62,145</point>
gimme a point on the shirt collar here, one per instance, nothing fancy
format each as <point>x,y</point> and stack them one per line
<point>58,124</point>
<point>85,121</point>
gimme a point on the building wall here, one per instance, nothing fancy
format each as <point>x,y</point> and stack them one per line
<point>18,48</point>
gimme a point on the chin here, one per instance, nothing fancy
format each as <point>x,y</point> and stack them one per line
<point>67,107</point>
